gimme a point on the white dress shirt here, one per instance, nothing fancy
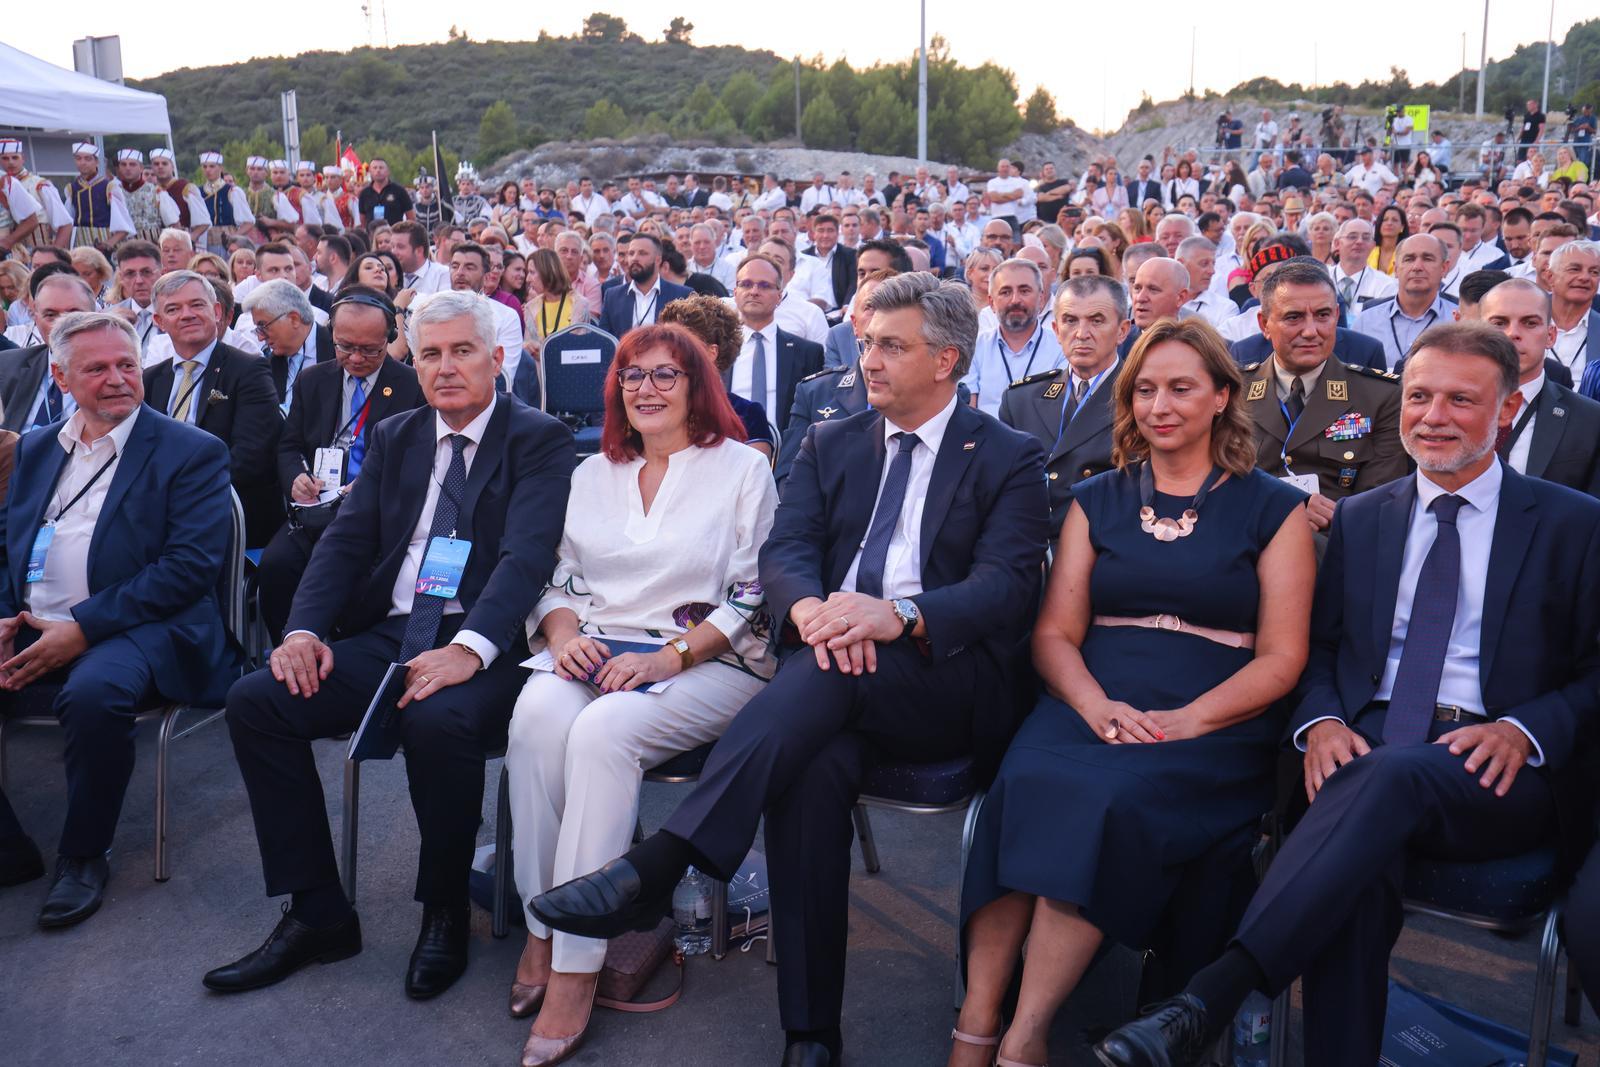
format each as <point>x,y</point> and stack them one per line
<point>646,303</point>
<point>801,317</point>
<point>816,196</point>
<point>1518,456</point>
<point>743,373</point>
<point>902,567</point>
<point>161,349</point>
<point>590,207</point>
<point>995,365</point>
<point>431,278</point>
<point>770,199</point>
<point>196,382</point>
<point>1213,307</point>
<point>1572,348</point>
<point>1370,284</point>
<point>509,336</point>
<point>405,583</point>
<point>65,583</point>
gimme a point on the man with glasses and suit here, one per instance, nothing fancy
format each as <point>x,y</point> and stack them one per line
<point>772,361</point>
<point>906,537</point>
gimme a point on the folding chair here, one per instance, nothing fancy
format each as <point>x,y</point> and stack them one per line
<point>33,706</point>
<point>574,364</point>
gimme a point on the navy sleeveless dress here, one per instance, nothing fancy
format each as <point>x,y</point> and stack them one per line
<point>1108,827</point>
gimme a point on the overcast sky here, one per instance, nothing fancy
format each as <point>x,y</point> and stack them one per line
<point>1096,68</point>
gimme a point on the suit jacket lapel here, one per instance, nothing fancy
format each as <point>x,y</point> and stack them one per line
<point>1547,430</point>
<point>1094,419</point>
<point>140,447</point>
<point>961,437</point>
<point>786,375</point>
<point>1513,533</point>
<point>416,468</point>
<point>485,461</point>
<point>208,383</point>
<point>159,395</point>
<point>1394,521</point>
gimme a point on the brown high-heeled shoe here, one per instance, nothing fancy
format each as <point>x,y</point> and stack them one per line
<point>525,999</point>
<point>540,1051</point>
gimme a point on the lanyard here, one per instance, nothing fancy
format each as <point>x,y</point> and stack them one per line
<point>649,308</point>
<point>1520,425</point>
<point>1061,427</point>
<point>1000,347</point>
<point>193,385</point>
<point>1283,453</point>
<point>1400,350</point>
<point>1571,364</point>
<point>86,487</point>
<point>358,420</point>
<point>544,327</point>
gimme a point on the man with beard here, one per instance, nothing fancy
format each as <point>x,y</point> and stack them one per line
<point>1021,345</point>
<point>640,301</point>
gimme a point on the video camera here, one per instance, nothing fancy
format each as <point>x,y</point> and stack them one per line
<point>1390,113</point>
<point>1222,129</point>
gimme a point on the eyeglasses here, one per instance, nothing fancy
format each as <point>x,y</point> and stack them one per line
<point>364,351</point>
<point>890,349</point>
<point>262,328</point>
<point>751,286</point>
<point>665,378</point>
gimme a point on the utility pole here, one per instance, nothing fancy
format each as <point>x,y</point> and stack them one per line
<point>1483,57</point>
<point>922,88</point>
<point>797,134</point>
<point>1549,47</point>
<point>1461,80</point>
<point>1194,33</point>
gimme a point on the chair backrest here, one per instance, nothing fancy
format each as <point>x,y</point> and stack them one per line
<point>777,443</point>
<point>575,362</point>
<point>230,587</point>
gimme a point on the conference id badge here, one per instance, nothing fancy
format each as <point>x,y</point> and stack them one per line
<point>442,567</point>
<point>1306,483</point>
<point>329,470</point>
<point>40,549</point>
<point>378,212</point>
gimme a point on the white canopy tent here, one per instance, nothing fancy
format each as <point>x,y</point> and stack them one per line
<point>42,96</point>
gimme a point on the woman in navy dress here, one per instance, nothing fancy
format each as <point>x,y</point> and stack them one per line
<point>1178,611</point>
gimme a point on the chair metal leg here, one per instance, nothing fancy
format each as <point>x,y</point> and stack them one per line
<point>1278,1034</point>
<point>1573,1013</point>
<point>772,945</point>
<point>352,799</point>
<point>869,847</point>
<point>169,722</point>
<point>502,856</point>
<point>719,918</point>
<point>969,826</point>
<point>1544,992</point>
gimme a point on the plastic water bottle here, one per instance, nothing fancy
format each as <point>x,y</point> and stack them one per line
<point>691,910</point>
<point>1252,1032</point>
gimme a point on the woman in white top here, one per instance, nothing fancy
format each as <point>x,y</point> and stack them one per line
<point>660,545</point>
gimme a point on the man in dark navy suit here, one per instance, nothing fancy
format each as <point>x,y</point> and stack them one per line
<point>337,404</point>
<point>114,536</point>
<point>639,302</point>
<point>1453,670</point>
<point>771,360</point>
<point>474,473</point>
<point>906,538</point>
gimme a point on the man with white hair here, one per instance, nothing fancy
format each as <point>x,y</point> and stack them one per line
<point>184,194</point>
<point>55,221</point>
<point>30,397</point>
<point>225,203</point>
<point>99,211</point>
<point>1357,282</point>
<point>292,340</point>
<point>177,248</point>
<point>1020,345</point>
<point>127,516</point>
<point>1574,276</point>
<point>817,195</point>
<point>274,216</point>
<point>925,189</point>
<point>1199,258</point>
<point>473,474</point>
<point>1172,230</point>
<point>1160,289</point>
<point>703,255</point>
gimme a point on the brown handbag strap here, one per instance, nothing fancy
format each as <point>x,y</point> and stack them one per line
<point>643,1007</point>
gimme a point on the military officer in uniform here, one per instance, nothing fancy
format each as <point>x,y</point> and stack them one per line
<point>1069,409</point>
<point>1317,417</point>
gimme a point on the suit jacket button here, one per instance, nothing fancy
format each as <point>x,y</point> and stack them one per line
<point>1087,472</point>
<point>1376,678</point>
<point>1054,476</point>
<point>1349,455</point>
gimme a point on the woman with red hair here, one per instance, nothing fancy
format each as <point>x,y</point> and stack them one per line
<point>659,550</point>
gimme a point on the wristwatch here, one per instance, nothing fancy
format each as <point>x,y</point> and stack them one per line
<point>685,653</point>
<point>905,609</point>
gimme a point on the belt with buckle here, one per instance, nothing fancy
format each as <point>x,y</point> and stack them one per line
<point>1447,713</point>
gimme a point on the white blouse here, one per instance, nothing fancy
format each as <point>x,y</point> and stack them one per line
<point>691,559</point>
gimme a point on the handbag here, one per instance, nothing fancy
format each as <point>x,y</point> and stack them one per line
<point>631,961</point>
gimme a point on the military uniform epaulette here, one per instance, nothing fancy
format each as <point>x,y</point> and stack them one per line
<point>1251,368</point>
<point>1359,368</point>
<point>1042,376</point>
<point>823,372</point>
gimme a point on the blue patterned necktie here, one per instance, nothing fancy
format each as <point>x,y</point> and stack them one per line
<point>1433,615</point>
<point>50,410</point>
<point>422,629</point>
<point>875,549</point>
<point>358,442</point>
<point>758,372</point>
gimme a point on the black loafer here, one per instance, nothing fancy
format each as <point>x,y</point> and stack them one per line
<point>1172,1034</point>
<point>606,904</point>
<point>441,953</point>
<point>291,946</point>
<point>807,1054</point>
<point>77,892</point>
<point>20,862</point>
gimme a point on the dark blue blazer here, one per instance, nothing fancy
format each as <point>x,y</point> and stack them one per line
<point>512,512</point>
<point>1350,346</point>
<point>157,554</point>
<point>1541,613</point>
<point>984,526</point>
<point>616,305</point>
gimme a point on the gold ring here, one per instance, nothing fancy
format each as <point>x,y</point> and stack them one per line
<point>846,620</point>
<point>425,679</point>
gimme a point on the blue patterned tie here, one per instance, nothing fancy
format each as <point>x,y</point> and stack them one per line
<point>1433,614</point>
<point>875,549</point>
<point>422,629</point>
<point>50,410</point>
<point>358,441</point>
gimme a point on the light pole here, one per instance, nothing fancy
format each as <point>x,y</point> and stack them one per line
<point>1483,57</point>
<point>922,88</point>
<point>1549,46</point>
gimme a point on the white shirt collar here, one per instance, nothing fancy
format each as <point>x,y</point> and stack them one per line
<point>71,434</point>
<point>1530,390</point>
<point>645,295</point>
<point>1482,493</point>
<point>930,433</point>
<point>769,333</point>
<point>473,431</point>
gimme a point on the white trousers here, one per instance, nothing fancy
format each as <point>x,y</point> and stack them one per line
<point>576,758</point>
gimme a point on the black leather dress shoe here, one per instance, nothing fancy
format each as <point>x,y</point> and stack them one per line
<point>290,947</point>
<point>1172,1034</point>
<point>441,953</point>
<point>77,892</point>
<point>607,903</point>
<point>20,862</point>
<point>807,1054</point>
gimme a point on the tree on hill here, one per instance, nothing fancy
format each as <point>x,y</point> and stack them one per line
<point>601,28</point>
<point>497,132</point>
<point>821,124</point>
<point>888,123</point>
<point>678,32</point>
<point>1039,114</point>
<point>739,95</point>
<point>604,119</point>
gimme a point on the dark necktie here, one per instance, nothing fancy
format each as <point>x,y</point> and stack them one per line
<point>1433,614</point>
<point>50,410</point>
<point>1079,391</point>
<point>422,629</point>
<point>758,372</point>
<point>1297,400</point>
<point>875,549</point>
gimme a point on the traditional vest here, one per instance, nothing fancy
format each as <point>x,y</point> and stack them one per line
<point>8,221</point>
<point>342,202</point>
<point>91,202</point>
<point>43,233</point>
<point>144,208</point>
<point>219,201</point>
<point>295,195</point>
<point>467,208</point>
<point>176,189</point>
<point>263,201</point>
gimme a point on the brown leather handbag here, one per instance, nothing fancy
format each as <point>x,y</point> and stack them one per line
<point>631,961</point>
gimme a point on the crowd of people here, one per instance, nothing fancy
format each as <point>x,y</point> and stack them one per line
<point>1312,451</point>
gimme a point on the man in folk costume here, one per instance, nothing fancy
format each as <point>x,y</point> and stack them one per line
<point>315,206</point>
<point>275,217</point>
<point>99,210</point>
<point>225,204</point>
<point>468,204</point>
<point>55,221</point>
<point>184,194</point>
<point>144,199</point>
<point>19,217</point>
<point>343,202</point>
